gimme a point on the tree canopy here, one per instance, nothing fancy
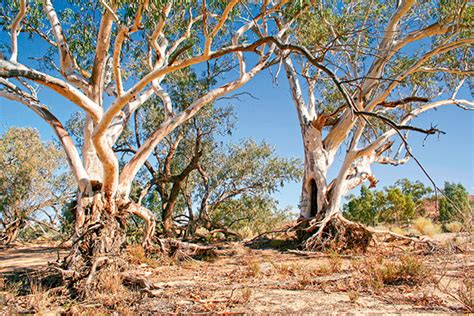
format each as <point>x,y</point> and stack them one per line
<point>33,180</point>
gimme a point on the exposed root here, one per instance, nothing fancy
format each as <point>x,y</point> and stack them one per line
<point>100,242</point>
<point>149,219</point>
<point>95,265</point>
<point>335,232</point>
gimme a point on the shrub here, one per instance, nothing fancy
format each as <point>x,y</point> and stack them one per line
<point>453,227</point>
<point>454,205</point>
<point>426,227</point>
<point>399,203</point>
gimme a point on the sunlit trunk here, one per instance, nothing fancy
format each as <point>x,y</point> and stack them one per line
<point>313,194</point>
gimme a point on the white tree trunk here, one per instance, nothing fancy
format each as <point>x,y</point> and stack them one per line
<point>313,194</point>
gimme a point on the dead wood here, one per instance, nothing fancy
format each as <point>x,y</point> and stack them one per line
<point>335,232</point>
<point>180,250</point>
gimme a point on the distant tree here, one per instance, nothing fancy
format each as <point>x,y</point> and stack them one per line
<point>454,206</point>
<point>33,180</point>
<point>417,190</point>
<point>249,215</point>
<point>172,161</point>
<point>398,203</point>
<point>229,178</point>
<point>397,207</point>
<point>366,207</point>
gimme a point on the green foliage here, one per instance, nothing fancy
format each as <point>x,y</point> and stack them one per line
<point>32,177</point>
<point>366,207</point>
<point>251,165</point>
<point>250,215</point>
<point>347,35</point>
<point>454,206</point>
<point>395,204</point>
<point>68,217</point>
<point>416,190</point>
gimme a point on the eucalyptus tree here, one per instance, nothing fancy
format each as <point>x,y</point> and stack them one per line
<point>359,74</point>
<point>108,58</point>
<point>33,182</point>
<point>238,179</point>
<point>194,170</point>
<point>454,205</point>
<point>159,185</point>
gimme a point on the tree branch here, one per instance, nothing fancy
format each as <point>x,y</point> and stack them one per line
<point>15,30</point>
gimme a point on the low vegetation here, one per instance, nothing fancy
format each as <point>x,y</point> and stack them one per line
<point>408,270</point>
<point>426,227</point>
<point>410,207</point>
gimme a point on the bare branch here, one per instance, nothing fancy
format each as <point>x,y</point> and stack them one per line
<point>10,70</point>
<point>68,64</point>
<point>394,104</point>
<point>15,30</point>
<point>70,149</point>
<point>447,70</point>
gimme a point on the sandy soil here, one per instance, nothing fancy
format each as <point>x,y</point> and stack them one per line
<point>248,280</point>
<point>28,257</point>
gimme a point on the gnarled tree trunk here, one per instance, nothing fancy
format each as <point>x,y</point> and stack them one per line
<point>11,232</point>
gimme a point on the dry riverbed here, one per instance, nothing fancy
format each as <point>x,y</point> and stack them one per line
<point>390,278</point>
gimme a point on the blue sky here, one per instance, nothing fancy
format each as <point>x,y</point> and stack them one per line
<point>272,117</point>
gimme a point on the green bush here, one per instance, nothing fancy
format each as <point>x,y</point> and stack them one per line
<point>454,205</point>
<point>395,204</point>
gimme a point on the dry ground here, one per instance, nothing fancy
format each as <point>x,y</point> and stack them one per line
<point>245,280</point>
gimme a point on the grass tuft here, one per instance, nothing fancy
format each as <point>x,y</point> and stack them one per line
<point>453,227</point>
<point>426,227</point>
<point>408,271</point>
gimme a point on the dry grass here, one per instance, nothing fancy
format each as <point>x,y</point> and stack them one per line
<point>12,288</point>
<point>384,280</point>
<point>353,296</point>
<point>379,273</point>
<point>465,294</point>
<point>246,294</point>
<point>252,266</point>
<point>137,255</point>
<point>453,227</point>
<point>110,291</point>
<point>40,299</point>
<point>335,262</point>
<point>463,290</point>
<point>426,227</point>
<point>288,269</point>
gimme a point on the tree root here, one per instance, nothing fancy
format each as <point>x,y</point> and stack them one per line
<point>337,233</point>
